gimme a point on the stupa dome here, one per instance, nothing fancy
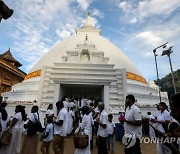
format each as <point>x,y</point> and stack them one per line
<point>90,35</point>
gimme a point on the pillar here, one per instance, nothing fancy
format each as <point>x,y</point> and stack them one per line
<point>106,98</point>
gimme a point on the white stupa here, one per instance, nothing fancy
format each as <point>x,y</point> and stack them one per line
<point>85,63</point>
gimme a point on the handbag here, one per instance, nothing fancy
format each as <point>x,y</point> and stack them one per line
<point>6,138</point>
<point>33,128</point>
<point>81,141</point>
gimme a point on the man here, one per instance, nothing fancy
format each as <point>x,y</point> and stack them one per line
<point>133,122</point>
<point>102,129</point>
<point>60,129</point>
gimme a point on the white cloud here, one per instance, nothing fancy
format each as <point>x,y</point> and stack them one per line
<point>133,20</point>
<point>84,3</point>
<point>96,12</point>
<point>39,25</point>
<point>63,34</point>
<point>149,38</point>
<point>125,6</point>
<point>147,8</point>
<point>157,7</point>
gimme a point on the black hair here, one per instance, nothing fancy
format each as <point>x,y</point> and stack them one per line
<point>85,110</point>
<point>59,103</point>
<point>131,97</point>
<point>4,114</point>
<point>110,116</point>
<point>49,120</point>
<point>22,110</point>
<point>49,106</point>
<point>36,108</point>
<point>149,113</point>
<point>173,126</point>
<point>176,100</point>
<point>96,102</point>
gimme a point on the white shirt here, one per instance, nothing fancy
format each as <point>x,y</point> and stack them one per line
<point>70,114</point>
<point>86,125</point>
<point>66,104</point>
<point>71,104</point>
<point>103,132</point>
<point>20,122</point>
<point>34,117</point>
<point>150,117</point>
<point>133,113</point>
<point>61,130</point>
<point>111,126</point>
<point>49,112</point>
<point>164,116</point>
<point>84,102</point>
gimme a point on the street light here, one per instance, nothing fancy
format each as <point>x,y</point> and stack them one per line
<point>168,52</point>
<point>155,55</point>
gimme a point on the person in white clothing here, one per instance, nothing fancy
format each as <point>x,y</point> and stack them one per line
<point>163,119</point>
<point>71,104</point>
<point>86,128</point>
<point>102,120</point>
<point>132,124</point>
<point>16,128</point>
<point>4,121</point>
<point>60,129</point>
<point>30,143</point>
<point>66,103</point>
<point>71,118</point>
<point>152,121</point>
<point>49,112</point>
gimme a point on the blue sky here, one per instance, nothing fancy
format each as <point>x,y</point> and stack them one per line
<point>136,27</point>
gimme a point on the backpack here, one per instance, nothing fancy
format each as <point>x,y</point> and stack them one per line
<point>35,127</point>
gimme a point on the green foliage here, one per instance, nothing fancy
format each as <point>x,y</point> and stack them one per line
<point>166,83</point>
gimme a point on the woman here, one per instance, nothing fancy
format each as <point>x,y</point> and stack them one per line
<point>49,112</point>
<point>4,121</point>
<point>163,119</point>
<point>16,128</point>
<point>30,143</point>
<point>86,127</point>
<point>70,120</point>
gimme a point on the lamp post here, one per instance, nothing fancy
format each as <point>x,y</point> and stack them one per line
<point>155,55</point>
<point>168,52</point>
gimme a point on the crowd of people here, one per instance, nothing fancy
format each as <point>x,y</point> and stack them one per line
<point>88,117</point>
<point>165,125</point>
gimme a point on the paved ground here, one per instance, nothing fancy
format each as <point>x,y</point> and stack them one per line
<point>69,148</point>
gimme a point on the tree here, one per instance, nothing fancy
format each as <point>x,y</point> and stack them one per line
<point>166,83</point>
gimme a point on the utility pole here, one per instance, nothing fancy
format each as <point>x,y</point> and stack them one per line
<point>155,55</point>
<point>168,52</point>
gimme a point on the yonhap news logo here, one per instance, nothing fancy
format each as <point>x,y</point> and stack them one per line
<point>129,140</point>
<point>164,140</point>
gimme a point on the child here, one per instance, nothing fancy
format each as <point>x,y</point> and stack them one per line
<point>48,136</point>
<point>111,126</point>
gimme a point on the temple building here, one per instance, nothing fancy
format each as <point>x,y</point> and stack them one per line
<point>10,74</point>
<point>86,63</point>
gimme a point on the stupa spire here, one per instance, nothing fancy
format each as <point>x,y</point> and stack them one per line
<point>88,22</point>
